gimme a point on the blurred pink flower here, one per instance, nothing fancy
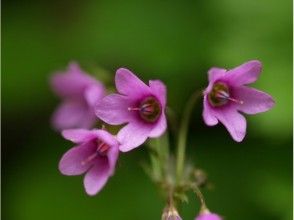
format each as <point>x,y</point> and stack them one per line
<point>208,216</point>
<point>227,94</point>
<point>139,105</point>
<point>95,154</point>
<point>79,93</point>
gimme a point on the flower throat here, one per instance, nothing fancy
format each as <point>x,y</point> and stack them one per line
<point>102,149</point>
<point>220,95</point>
<point>149,109</point>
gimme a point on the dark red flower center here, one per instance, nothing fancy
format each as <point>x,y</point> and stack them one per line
<point>149,109</point>
<point>220,95</point>
<point>101,150</point>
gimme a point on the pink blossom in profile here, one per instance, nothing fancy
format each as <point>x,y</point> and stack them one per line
<point>227,95</point>
<point>79,92</point>
<point>95,154</point>
<point>141,107</point>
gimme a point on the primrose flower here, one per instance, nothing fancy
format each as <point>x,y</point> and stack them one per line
<point>79,92</point>
<point>227,94</point>
<point>139,105</point>
<point>95,154</point>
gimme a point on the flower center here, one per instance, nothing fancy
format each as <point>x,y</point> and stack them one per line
<point>149,109</point>
<point>101,150</point>
<point>220,95</point>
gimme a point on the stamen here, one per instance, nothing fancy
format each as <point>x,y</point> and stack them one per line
<point>133,109</point>
<point>102,148</point>
<point>220,95</point>
<point>236,100</point>
<point>149,109</point>
<point>225,95</point>
<point>89,159</point>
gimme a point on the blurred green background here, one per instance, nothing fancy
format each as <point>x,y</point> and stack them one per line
<point>176,41</point>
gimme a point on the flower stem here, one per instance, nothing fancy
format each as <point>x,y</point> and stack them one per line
<point>200,197</point>
<point>183,134</point>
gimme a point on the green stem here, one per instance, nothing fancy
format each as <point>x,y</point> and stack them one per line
<point>183,134</point>
<point>200,197</point>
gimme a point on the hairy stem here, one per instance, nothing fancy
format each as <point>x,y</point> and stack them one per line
<point>182,138</point>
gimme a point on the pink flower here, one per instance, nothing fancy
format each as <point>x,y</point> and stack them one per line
<point>79,92</point>
<point>95,154</point>
<point>208,216</point>
<point>227,94</point>
<point>139,105</point>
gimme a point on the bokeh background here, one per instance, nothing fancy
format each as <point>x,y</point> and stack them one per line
<point>176,41</point>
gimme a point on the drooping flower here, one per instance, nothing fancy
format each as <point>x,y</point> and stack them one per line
<point>207,215</point>
<point>227,94</point>
<point>95,154</point>
<point>142,107</point>
<point>79,93</point>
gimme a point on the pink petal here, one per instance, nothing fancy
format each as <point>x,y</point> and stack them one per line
<point>254,101</point>
<point>133,135</point>
<point>208,216</point>
<point>78,135</point>
<point>159,128</point>
<point>71,162</point>
<point>112,158</point>
<point>96,177</point>
<point>216,73</point>
<point>111,141</point>
<point>129,84</point>
<point>233,121</point>
<point>159,89</point>
<point>207,114</point>
<point>94,93</point>
<point>113,109</point>
<point>72,82</point>
<point>72,114</point>
<point>105,136</point>
<point>245,73</point>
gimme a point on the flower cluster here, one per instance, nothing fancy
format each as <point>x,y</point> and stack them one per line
<point>141,110</point>
<point>141,107</point>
